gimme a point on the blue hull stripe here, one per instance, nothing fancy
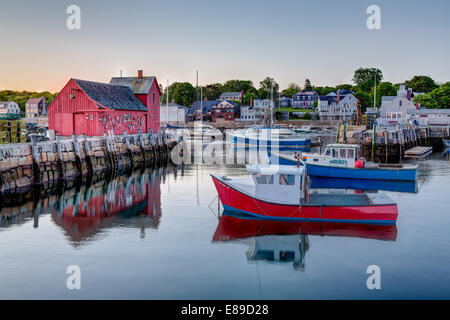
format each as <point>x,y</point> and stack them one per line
<point>249,215</point>
<point>370,174</point>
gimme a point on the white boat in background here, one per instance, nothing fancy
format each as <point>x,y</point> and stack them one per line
<point>266,136</point>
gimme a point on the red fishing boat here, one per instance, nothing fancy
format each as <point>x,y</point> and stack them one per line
<point>278,192</point>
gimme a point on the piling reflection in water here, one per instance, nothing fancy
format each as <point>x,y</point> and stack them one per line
<point>84,208</point>
<point>281,241</point>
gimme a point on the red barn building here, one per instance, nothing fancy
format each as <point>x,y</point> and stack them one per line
<point>147,90</point>
<point>95,108</point>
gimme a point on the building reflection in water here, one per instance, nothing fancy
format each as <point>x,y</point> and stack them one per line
<point>282,242</point>
<point>85,208</point>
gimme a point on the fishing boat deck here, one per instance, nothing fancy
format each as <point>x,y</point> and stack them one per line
<point>348,200</point>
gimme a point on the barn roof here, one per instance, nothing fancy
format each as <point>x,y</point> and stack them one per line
<point>111,96</point>
<point>139,86</point>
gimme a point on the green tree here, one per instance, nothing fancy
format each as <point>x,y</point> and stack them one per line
<point>247,97</point>
<point>364,100</point>
<point>307,116</point>
<point>237,86</point>
<point>182,93</point>
<point>307,86</point>
<point>212,91</point>
<point>383,89</point>
<point>364,78</point>
<point>439,98</point>
<point>292,89</point>
<point>265,88</point>
<point>344,87</point>
<point>315,103</point>
<point>323,91</point>
<point>421,84</point>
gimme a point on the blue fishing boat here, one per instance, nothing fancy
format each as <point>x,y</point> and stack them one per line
<point>363,184</point>
<point>271,138</point>
<point>343,161</point>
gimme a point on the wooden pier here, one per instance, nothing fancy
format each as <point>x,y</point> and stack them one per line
<point>418,152</point>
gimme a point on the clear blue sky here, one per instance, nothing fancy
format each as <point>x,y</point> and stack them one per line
<point>290,40</point>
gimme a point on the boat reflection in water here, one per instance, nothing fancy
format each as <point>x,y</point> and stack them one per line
<point>126,201</point>
<point>362,184</point>
<point>287,241</point>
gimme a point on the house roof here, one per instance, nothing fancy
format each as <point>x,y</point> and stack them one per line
<point>111,96</point>
<point>230,94</point>
<point>205,106</point>
<point>430,111</point>
<point>139,86</point>
<point>328,98</point>
<point>388,98</point>
<point>34,100</point>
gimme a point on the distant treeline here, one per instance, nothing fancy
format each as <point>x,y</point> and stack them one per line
<point>21,97</point>
<point>436,95</point>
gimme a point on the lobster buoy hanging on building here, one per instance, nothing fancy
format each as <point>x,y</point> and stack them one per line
<point>359,164</point>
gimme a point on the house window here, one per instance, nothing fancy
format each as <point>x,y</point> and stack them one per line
<point>72,96</point>
<point>400,103</point>
<point>153,97</point>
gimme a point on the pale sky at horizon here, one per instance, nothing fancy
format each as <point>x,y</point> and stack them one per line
<point>290,40</point>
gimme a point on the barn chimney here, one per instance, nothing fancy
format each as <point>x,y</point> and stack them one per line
<point>140,74</point>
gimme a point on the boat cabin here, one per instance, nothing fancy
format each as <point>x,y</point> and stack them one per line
<point>336,155</point>
<point>280,183</point>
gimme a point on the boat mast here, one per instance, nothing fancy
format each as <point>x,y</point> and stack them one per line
<point>375,91</point>
<point>167,104</point>
<point>271,99</point>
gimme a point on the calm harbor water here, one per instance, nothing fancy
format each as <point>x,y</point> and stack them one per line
<point>155,234</point>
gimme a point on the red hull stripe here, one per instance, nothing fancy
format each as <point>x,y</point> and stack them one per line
<point>235,201</point>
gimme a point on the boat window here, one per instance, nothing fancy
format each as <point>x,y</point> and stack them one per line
<point>264,255</point>
<point>287,255</point>
<point>264,179</point>
<point>342,153</point>
<point>287,179</point>
<point>350,153</point>
<point>328,152</point>
<point>335,153</point>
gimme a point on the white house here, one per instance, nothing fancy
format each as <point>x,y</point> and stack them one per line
<point>248,114</point>
<point>9,107</point>
<point>304,99</point>
<point>394,109</point>
<point>172,113</point>
<point>261,105</point>
<point>35,107</point>
<point>430,116</point>
<point>340,106</point>
<point>231,96</point>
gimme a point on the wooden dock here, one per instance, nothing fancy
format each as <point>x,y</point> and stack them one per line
<point>418,152</point>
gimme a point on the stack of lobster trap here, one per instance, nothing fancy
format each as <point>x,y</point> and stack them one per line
<point>12,131</point>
